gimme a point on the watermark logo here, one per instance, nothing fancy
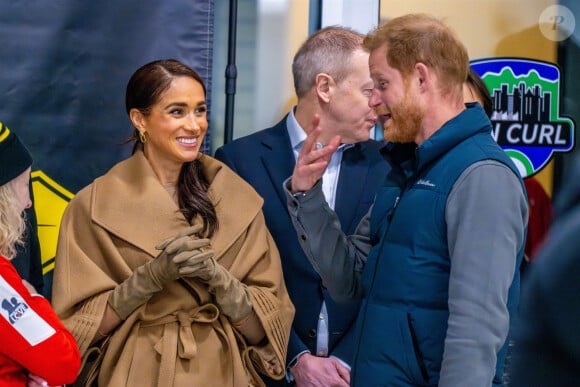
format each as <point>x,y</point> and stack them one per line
<point>557,23</point>
<point>526,119</point>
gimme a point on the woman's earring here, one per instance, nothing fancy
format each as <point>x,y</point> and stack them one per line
<point>142,137</point>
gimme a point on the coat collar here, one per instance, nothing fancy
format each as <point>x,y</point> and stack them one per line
<point>237,204</point>
<point>466,124</point>
<point>130,202</point>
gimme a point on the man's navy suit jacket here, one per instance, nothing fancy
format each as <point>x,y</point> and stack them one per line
<point>265,159</point>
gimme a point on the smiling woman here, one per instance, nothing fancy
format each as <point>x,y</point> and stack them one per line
<point>175,275</point>
<point>173,128</point>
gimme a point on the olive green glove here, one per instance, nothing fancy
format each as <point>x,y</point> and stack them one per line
<point>151,277</point>
<point>230,294</point>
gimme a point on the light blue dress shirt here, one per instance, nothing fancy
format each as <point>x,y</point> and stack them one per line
<point>329,184</point>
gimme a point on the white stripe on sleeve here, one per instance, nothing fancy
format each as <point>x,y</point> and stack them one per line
<point>21,316</point>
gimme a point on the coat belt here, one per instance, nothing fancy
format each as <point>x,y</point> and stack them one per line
<point>178,337</point>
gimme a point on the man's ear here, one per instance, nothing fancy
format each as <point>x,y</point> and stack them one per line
<point>137,119</point>
<point>324,86</point>
<point>424,76</point>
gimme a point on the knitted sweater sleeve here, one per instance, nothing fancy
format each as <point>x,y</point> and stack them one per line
<point>338,258</point>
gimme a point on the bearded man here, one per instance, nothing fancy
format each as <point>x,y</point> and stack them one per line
<point>435,259</point>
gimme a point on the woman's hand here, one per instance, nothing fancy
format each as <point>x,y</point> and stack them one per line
<point>37,381</point>
<point>29,287</point>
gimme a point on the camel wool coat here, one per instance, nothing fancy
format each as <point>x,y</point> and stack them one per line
<point>179,337</point>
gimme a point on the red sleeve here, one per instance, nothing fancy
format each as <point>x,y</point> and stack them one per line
<point>540,216</point>
<point>31,334</point>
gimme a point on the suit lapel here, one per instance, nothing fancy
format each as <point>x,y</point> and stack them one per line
<point>351,184</point>
<point>278,157</point>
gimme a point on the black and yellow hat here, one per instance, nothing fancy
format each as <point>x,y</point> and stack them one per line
<point>14,157</point>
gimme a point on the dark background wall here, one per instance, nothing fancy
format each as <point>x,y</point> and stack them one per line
<point>64,66</point>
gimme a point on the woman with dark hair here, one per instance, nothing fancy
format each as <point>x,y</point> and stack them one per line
<point>168,256</point>
<point>35,346</point>
<point>475,90</point>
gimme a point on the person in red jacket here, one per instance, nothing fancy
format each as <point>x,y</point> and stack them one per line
<point>35,347</point>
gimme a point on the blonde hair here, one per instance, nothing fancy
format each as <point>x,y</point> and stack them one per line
<point>420,38</point>
<point>12,220</point>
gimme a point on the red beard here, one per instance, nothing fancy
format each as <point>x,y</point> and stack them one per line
<point>405,122</point>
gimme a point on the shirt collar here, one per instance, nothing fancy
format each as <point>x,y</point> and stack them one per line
<point>295,131</point>
<point>298,135</point>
